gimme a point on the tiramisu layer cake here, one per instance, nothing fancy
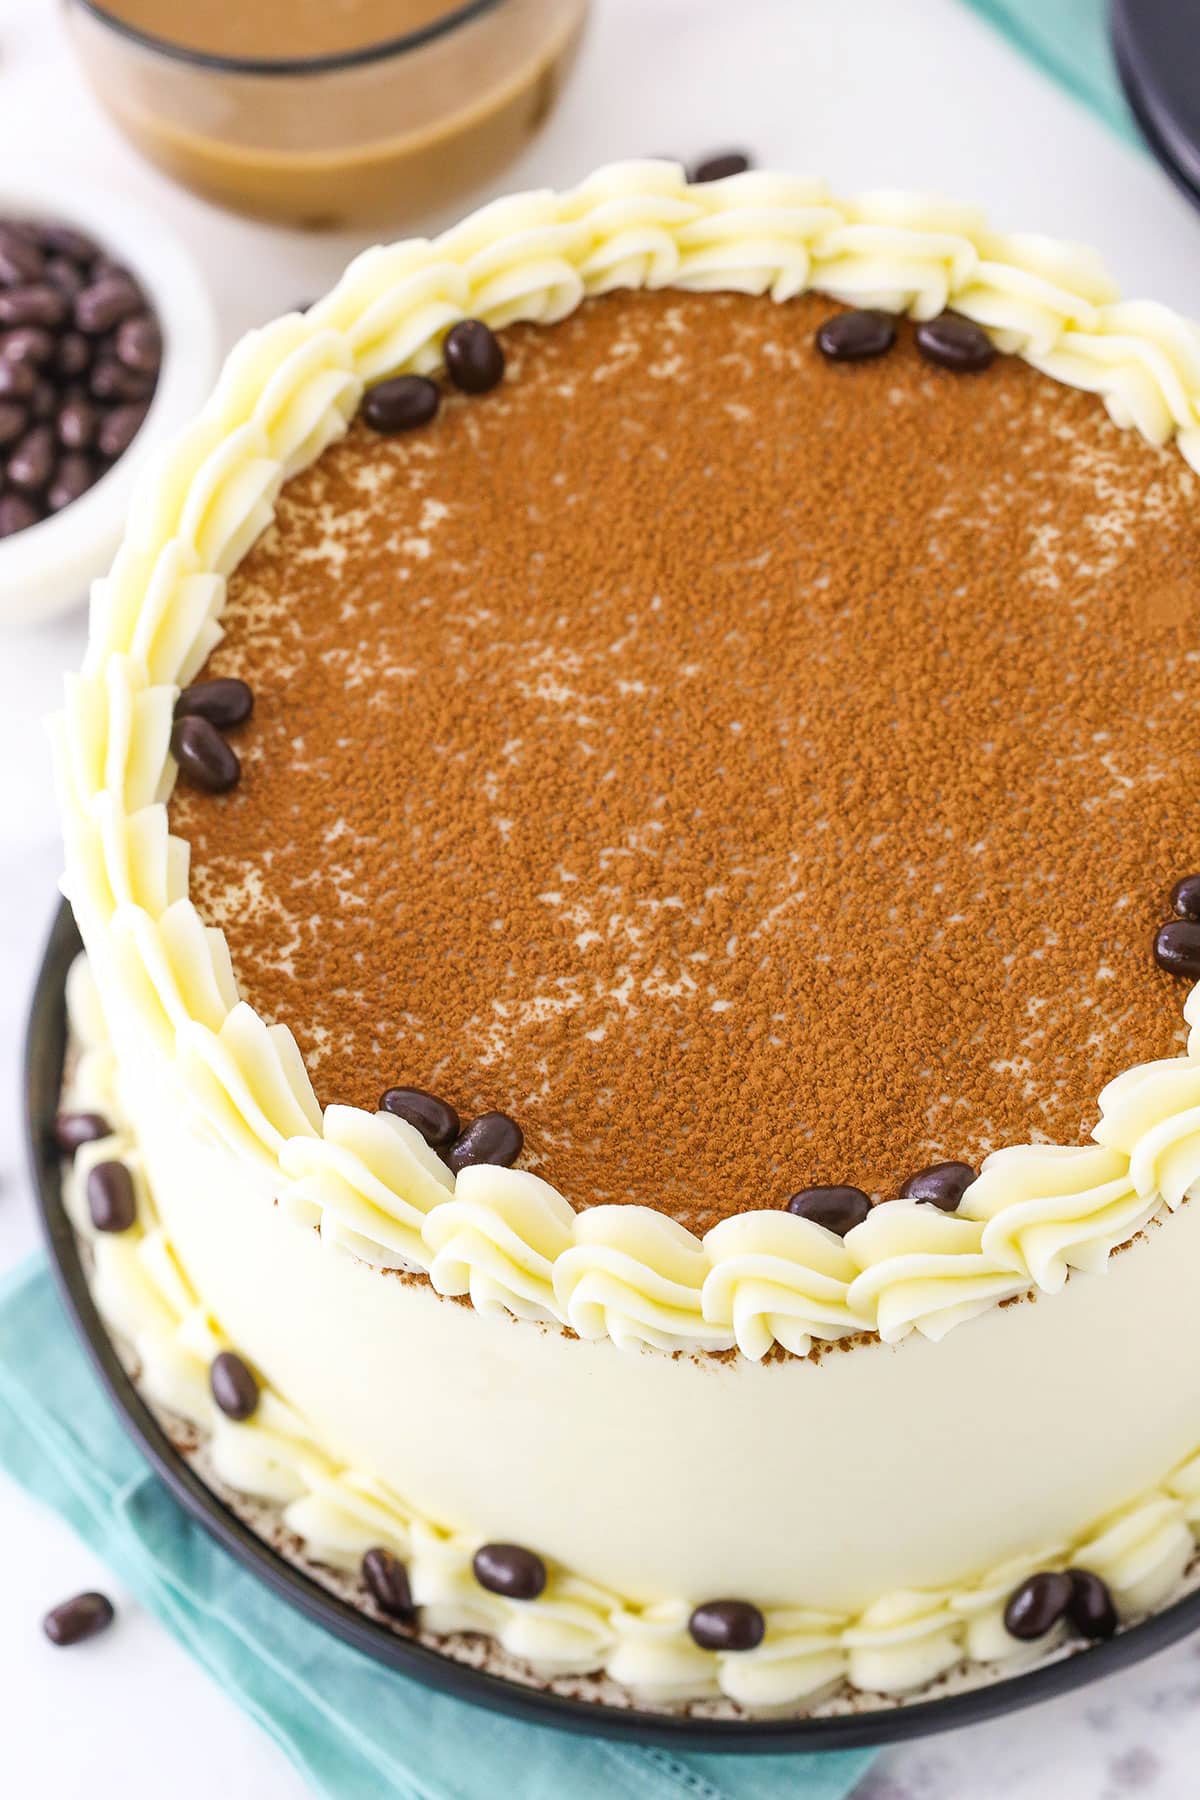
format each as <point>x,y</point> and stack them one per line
<point>632,809</point>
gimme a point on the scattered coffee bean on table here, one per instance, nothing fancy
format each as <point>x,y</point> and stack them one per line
<point>77,1619</point>
<point>80,354</point>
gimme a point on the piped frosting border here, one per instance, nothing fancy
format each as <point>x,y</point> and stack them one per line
<point>503,1237</point>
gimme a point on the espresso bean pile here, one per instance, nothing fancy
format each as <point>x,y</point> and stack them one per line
<point>80,353</point>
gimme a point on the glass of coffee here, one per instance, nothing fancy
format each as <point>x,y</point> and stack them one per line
<point>367,112</point>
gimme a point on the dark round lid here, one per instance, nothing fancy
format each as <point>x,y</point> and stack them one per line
<point>1157,47</point>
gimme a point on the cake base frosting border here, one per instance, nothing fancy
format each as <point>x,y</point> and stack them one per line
<point>478,1652</point>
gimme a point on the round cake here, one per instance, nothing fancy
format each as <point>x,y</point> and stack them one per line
<point>630,809</point>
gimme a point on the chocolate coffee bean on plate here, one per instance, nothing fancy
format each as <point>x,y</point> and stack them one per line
<point>74,1621</point>
<point>80,354</point>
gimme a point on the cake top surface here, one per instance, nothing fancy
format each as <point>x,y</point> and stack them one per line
<point>745,771</point>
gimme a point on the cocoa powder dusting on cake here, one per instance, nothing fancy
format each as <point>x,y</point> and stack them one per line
<point>747,772</point>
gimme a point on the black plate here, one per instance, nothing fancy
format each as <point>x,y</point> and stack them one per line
<point>43,1071</point>
<point>1156,44</point>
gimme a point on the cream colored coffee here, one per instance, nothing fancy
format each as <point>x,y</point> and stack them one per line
<point>288,28</point>
<point>386,134</point>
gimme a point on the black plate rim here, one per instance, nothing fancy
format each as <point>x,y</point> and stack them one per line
<point>44,1050</point>
<point>1153,123</point>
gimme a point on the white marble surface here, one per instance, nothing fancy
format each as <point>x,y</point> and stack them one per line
<point>870,93</point>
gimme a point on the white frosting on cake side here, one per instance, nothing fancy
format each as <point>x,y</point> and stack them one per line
<point>816,1511</point>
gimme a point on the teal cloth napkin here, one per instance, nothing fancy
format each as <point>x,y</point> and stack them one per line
<point>1069,40</point>
<point>356,1730</point>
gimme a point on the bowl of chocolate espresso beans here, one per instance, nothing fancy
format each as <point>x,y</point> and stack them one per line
<point>107,347</point>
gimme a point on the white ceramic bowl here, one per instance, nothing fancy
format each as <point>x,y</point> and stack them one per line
<point>50,567</point>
